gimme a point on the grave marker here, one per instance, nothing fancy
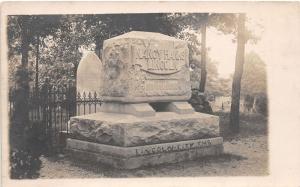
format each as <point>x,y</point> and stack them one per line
<point>145,118</point>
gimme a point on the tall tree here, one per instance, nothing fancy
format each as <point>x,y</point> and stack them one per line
<point>41,26</point>
<point>236,83</point>
<point>199,22</point>
<point>22,80</point>
<point>21,112</point>
<point>203,54</point>
<point>37,62</point>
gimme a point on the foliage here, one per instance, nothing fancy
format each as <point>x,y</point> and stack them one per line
<point>192,23</point>
<point>13,36</point>
<point>254,83</point>
<point>24,159</point>
<point>238,72</point>
<point>24,156</point>
<point>65,37</point>
<point>106,26</point>
<point>200,103</point>
<point>40,25</point>
<point>223,22</point>
<point>226,23</point>
<point>191,37</point>
<point>24,165</point>
<point>261,104</point>
<point>62,49</point>
<point>254,79</point>
<point>13,64</point>
<point>215,85</point>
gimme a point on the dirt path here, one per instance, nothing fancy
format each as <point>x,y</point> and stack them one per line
<point>243,156</point>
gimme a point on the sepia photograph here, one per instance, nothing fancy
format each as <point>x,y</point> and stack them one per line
<point>151,94</point>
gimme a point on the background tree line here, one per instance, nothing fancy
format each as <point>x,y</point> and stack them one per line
<point>56,43</point>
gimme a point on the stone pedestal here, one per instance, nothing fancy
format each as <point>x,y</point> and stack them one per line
<point>128,141</point>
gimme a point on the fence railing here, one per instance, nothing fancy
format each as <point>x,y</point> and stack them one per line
<point>87,103</point>
<point>53,106</point>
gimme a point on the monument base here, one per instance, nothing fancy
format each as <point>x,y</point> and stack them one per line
<point>148,155</point>
<point>127,130</point>
<point>128,141</point>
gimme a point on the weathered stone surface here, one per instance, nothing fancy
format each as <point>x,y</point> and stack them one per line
<point>129,130</point>
<point>145,109</point>
<point>142,150</point>
<point>145,67</point>
<point>180,107</point>
<point>134,157</point>
<point>136,109</point>
<point>89,73</point>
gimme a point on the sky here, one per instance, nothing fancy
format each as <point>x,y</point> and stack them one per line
<point>223,50</point>
<point>278,45</point>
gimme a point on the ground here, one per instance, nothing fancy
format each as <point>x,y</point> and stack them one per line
<point>244,154</point>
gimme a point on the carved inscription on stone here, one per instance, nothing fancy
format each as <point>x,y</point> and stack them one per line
<point>152,85</point>
<point>162,65</point>
<point>157,149</point>
<point>159,61</point>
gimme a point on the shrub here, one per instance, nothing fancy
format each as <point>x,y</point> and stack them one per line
<point>26,150</point>
<point>199,102</point>
<point>262,104</point>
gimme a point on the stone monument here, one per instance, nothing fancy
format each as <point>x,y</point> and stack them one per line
<point>88,73</point>
<point>88,76</point>
<point>145,118</point>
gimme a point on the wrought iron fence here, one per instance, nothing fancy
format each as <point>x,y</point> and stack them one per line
<point>87,103</point>
<point>53,105</point>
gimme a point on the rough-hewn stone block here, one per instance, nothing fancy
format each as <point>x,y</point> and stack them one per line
<point>129,130</point>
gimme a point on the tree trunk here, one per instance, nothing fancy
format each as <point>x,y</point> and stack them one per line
<point>21,114</point>
<point>37,63</point>
<point>236,84</point>
<point>203,55</point>
<point>98,47</point>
